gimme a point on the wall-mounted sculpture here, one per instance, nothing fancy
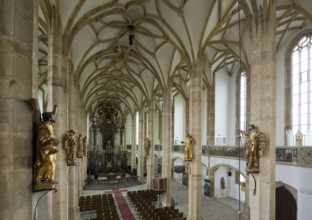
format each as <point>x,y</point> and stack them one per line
<point>188,150</point>
<point>255,143</point>
<point>70,147</point>
<point>80,146</point>
<point>84,146</point>
<point>46,148</point>
<point>147,146</point>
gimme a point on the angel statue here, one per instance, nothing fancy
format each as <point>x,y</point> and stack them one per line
<point>254,146</point>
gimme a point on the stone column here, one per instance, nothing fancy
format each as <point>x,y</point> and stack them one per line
<point>145,135</point>
<point>57,93</point>
<point>80,165</point>
<point>73,210</point>
<point>150,160</point>
<point>124,137</point>
<point>195,178</point>
<point>211,114</point>
<point>167,145</point>
<point>263,107</point>
<point>16,126</point>
<point>141,147</point>
<point>35,69</point>
<point>43,210</point>
<point>133,148</point>
<point>246,210</point>
<point>84,158</point>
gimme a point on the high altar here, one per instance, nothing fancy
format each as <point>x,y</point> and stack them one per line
<point>108,153</point>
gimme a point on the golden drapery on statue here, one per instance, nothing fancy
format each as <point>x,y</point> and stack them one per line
<point>188,150</point>
<point>71,147</point>
<point>80,146</point>
<point>255,143</point>
<point>46,149</point>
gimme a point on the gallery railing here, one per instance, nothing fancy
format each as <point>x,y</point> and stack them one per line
<point>224,151</point>
<point>293,156</point>
<point>297,156</point>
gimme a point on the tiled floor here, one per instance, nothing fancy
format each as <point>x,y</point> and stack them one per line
<point>212,209</point>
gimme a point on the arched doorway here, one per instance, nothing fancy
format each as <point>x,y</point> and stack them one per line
<point>286,206</point>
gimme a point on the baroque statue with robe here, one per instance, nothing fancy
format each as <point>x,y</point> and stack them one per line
<point>255,143</point>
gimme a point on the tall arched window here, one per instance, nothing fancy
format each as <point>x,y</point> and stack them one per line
<point>242,101</point>
<point>301,84</point>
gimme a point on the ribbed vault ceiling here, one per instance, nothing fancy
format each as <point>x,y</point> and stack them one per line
<point>168,38</point>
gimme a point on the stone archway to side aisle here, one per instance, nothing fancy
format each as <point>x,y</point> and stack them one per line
<point>230,174</point>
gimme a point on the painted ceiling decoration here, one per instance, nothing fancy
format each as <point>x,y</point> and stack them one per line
<point>125,52</point>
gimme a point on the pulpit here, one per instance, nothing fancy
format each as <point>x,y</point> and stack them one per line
<point>159,185</point>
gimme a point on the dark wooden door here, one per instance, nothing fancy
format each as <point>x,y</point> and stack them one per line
<point>286,207</point>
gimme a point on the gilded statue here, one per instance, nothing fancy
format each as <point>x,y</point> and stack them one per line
<point>84,146</point>
<point>188,149</point>
<point>254,145</point>
<point>47,148</point>
<point>299,137</point>
<point>147,147</point>
<point>80,146</point>
<point>71,147</point>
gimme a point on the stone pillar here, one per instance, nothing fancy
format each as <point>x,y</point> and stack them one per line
<point>211,114</point>
<point>246,210</point>
<point>124,137</point>
<point>80,178</point>
<point>167,145</point>
<point>195,178</point>
<point>79,118</point>
<point>141,147</point>
<point>150,160</point>
<point>16,126</point>
<point>35,69</point>
<point>43,210</point>
<point>133,148</point>
<point>84,128</point>
<point>57,95</point>
<point>145,135</point>
<point>263,107</point>
<point>73,210</point>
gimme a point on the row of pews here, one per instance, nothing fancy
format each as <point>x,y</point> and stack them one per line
<point>144,203</point>
<point>103,204</point>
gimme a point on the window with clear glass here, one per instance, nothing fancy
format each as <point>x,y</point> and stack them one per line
<point>301,85</point>
<point>242,101</point>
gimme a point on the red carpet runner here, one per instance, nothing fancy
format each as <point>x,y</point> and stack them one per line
<point>123,206</point>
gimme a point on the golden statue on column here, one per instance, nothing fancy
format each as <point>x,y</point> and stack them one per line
<point>254,145</point>
<point>80,147</point>
<point>71,147</point>
<point>46,149</point>
<point>188,150</point>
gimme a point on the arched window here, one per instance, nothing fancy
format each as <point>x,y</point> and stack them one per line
<point>301,85</point>
<point>242,101</point>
